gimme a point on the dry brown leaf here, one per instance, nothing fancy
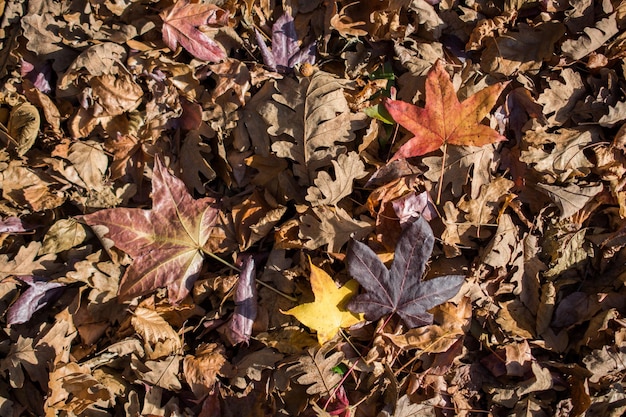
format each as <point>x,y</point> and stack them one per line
<point>202,368</point>
<point>314,369</point>
<point>153,328</point>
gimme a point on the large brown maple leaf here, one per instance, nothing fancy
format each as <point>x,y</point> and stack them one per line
<point>167,243</point>
<point>445,120</point>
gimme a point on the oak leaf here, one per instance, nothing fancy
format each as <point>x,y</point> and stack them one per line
<point>400,290</point>
<point>327,191</point>
<point>168,242</point>
<point>181,24</point>
<point>320,122</point>
<point>327,314</point>
<point>334,227</point>
<point>445,120</point>
<point>315,369</point>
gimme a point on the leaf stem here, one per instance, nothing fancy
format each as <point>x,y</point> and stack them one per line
<point>443,165</point>
<point>266,285</point>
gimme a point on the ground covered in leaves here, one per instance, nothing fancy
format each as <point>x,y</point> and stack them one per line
<point>254,208</point>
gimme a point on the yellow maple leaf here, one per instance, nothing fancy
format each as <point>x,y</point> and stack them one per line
<point>327,314</point>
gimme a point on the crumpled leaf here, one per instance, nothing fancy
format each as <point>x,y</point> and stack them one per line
<point>445,120</point>
<point>327,314</point>
<point>181,25</point>
<point>168,242</point>
<point>285,52</point>
<point>201,368</point>
<point>239,327</point>
<point>400,290</point>
<point>36,297</point>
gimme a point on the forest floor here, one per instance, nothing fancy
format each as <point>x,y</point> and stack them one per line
<point>255,208</point>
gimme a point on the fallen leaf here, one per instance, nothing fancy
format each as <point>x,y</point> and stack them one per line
<point>445,120</point>
<point>153,328</point>
<point>23,127</point>
<point>36,297</point>
<point>334,228</point>
<point>201,368</point>
<point>400,290</point>
<point>168,242</point>
<point>592,39</point>
<point>239,327</point>
<point>181,25</point>
<point>327,314</point>
<point>347,168</point>
<point>315,369</point>
<point>286,52</point>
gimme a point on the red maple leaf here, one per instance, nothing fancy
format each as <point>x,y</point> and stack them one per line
<point>181,24</point>
<point>445,120</point>
<point>167,243</point>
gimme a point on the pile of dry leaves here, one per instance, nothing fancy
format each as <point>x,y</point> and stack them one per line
<point>375,208</point>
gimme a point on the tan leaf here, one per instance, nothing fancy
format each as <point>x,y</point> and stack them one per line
<point>314,369</point>
<point>90,162</point>
<point>521,51</point>
<point>25,261</point>
<point>570,199</point>
<point>26,187</point>
<point>162,373</point>
<point>23,126</point>
<point>194,154</point>
<point>116,94</point>
<point>334,228</point>
<point>63,235</point>
<point>201,369</point>
<point>74,389</point>
<point>592,39</point>
<point>483,209</point>
<point>153,328</point>
<point>436,338</point>
<point>329,192</point>
<point>320,122</point>
<point>559,155</point>
<point>559,100</point>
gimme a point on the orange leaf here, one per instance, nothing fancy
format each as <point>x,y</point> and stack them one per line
<point>445,120</point>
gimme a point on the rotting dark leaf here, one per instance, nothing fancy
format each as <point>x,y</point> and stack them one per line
<point>285,52</point>
<point>400,290</point>
<point>240,325</point>
<point>36,297</point>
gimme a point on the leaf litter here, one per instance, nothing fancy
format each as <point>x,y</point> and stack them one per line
<point>178,175</point>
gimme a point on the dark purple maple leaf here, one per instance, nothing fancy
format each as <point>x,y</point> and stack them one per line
<point>400,290</point>
<point>36,297</point>
<point>285,52</point>
<point>167,243</point>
